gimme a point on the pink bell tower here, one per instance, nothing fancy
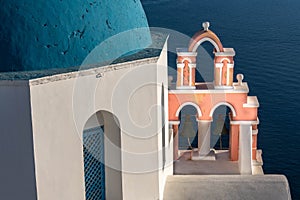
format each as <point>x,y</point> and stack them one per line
<point>207,97</point>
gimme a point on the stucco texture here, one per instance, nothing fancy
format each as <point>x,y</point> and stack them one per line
<point>38,34</point>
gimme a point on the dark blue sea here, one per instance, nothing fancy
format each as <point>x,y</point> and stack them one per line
<point>266,38</point>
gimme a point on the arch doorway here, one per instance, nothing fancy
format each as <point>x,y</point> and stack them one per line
<point>185,130</point>
<point>188,129</point>
<point>102,157</point>
<point>220,128</point>
<point>215,133</point>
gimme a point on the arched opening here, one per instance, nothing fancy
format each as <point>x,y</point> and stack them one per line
<point>188,129</point>
<point>102,157</point>
<point>220,128</point>
<point>233,112</point>
<point>205,63</point>
<point>198,113</point>
<point>206,75</point>
<point>214,41</point>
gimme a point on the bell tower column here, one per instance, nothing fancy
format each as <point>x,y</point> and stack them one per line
<point>204,137</point>
<point>186,69</point>
<point>224,68</point>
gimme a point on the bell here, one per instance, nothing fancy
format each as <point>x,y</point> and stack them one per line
<point>187,129</point>
<point>220,128</point>
<point>224,130</point>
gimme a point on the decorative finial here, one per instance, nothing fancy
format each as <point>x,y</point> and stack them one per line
<point>205,25</point>
<point>240,78</point>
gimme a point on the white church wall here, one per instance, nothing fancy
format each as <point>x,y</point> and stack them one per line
<point>57,142</point>
<point>166,160</point>
<point>61,108</point>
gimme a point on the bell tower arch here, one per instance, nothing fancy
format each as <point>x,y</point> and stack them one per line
<point>187,61</point>
<point>205,35</point>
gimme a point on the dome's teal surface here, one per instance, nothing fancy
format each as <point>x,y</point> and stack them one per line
<point>39,34</point>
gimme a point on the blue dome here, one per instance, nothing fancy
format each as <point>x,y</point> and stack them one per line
<point>39,34</point>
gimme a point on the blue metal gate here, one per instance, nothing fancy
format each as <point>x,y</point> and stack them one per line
<point>94,169</point>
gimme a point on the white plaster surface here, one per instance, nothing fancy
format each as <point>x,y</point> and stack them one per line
<point>227,187</point>
<point>62,106</point>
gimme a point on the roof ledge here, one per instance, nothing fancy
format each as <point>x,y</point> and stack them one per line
<point>252,102</point>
